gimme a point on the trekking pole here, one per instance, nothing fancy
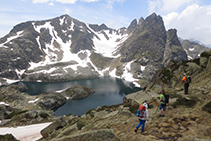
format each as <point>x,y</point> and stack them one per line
<point>153,101</point>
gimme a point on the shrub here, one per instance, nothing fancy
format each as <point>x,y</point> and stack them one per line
<point>44,115</point>
<point>133,109</point>
<point>207,107</point>
<point>205,54</point>
<point>166,75</point>
<point>80,124</point>
<point>186,102</point>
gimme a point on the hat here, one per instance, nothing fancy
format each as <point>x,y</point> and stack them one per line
<point>145,104</point>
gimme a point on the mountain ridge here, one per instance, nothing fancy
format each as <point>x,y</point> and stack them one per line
<point>57,41</point>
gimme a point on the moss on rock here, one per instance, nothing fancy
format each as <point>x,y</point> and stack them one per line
<point>207,107</point>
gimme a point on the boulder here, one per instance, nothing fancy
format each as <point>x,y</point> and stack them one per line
<point>5,111</point>
<point>51,100</point>
<point>102,134</point>
<point>7,137</point>
<point>203,61</point>
<point>193,68</point>
<point>30,117</point>
<point>209,63</point>
<point>77,92</point>
<point>59,123</point>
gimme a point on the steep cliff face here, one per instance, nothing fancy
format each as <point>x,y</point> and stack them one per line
<point>173,48</point>
<point>146,45</point>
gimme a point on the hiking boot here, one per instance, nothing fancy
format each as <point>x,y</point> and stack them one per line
<point>136,130</point>
<point>144,133</point>
<point>160,115</point>
<point>163,115</point>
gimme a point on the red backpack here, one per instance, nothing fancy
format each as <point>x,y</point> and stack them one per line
<point>142,109</point>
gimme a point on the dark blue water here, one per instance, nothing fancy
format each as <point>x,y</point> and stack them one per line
<point>108,91</point>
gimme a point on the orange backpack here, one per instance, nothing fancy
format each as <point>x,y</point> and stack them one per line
<point>142,109</point>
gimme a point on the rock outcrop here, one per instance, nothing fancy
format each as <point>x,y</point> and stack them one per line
<point>19,108</point>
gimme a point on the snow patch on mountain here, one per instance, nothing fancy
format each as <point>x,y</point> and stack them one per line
<point>107,46</point>
<point>127,75</point>
<point>18,34</point>
<point>106,42</point>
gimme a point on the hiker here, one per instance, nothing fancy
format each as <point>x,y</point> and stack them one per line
<point>142,115</point>
<point>186,80</point>
<point>162,105</point>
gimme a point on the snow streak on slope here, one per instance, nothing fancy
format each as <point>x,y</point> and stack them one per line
<point>51,52</point>
<point>127,74</point>
<point>106,43</point>
<point>18,34</point>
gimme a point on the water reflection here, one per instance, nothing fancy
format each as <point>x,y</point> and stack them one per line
<point>108,91</point>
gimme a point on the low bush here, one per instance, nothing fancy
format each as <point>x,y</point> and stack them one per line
<point>186,102</point>
<point>207,107</point>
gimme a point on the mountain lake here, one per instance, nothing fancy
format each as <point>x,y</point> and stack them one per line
<point>108,91</point>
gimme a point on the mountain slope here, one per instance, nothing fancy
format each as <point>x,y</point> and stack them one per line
<point>64,48</point>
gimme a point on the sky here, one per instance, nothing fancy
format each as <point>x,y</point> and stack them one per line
<point>191,18</point>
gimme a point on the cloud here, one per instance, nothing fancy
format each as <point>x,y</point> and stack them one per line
<point>51,4</point>
<point>67,1</point>
<point>111,2</point>
<point>40,1</point>
<point>67,11</point>
<point>90,0</point>
<point>62,1</point>
<point>194,22</point>
<point>166,6</point>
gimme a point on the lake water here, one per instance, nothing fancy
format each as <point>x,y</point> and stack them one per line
<point>108,91</point>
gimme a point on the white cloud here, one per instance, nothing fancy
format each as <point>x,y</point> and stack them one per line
<point>90,0</point>
<point>67,1</point>
<point>51,4</point>
<point>111,2</point>
<point>67,11</point>
<point>194,22</point>
<point>40,1</point>
<point>62,1</point>
<point>166,6</point>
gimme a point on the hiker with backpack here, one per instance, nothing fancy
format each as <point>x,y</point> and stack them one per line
<point>164,99</point>
<point>186,80</point>
<point>142,115</point>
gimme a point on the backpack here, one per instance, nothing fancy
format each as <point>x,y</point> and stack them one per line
<point>141,111</point>
<point>188,79</point>
<point>166,98</point>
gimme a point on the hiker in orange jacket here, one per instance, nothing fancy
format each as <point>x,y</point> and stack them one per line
<point>186,83</point>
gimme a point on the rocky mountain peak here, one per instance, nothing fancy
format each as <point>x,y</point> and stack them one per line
<point>132,25</point>
<point>173,48</point>
<point>154,22</point>
<point>140,21</point>
<point>147,43</point>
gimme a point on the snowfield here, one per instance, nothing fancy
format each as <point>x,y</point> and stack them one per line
<point>25,133</point>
